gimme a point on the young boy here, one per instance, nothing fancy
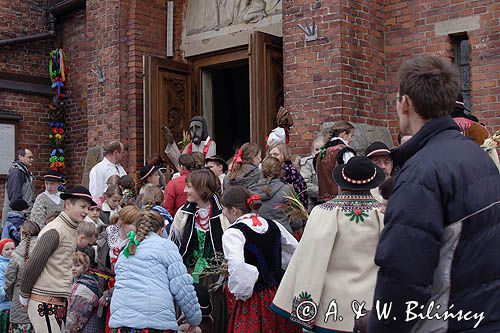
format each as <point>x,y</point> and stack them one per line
<point>46,280</point>
<point>15,220</point>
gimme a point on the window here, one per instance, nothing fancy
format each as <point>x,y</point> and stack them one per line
<point>462,53</point>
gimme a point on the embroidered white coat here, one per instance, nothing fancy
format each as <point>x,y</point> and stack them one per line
<point>334,261</point>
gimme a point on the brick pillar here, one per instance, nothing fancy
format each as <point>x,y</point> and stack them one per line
<point>340,76</point>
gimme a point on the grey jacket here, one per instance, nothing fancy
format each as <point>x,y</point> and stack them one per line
<point>311,178</point>
<point>13,282</point>
<point>249,175</point>
<point>272,195</point>
<point>19,185</point>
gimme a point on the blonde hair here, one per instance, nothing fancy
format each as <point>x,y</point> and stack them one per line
<point>129,215</point>
<point>87,229</point>
<point>249,151</point>
<point>81,258</point>
<point>150,221</point>
<point>283,149</point>
<point>153,195</point>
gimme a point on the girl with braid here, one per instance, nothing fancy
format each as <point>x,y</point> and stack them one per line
<point>149,278</point>
<point>197,230</point>
<point>19,321</point>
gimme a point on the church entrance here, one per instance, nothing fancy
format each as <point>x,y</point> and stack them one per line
<point>238,91</point>
<point>226,105</point>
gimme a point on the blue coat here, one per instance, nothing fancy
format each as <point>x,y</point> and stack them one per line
<point>12,226</point>
<point>147,284</point>
<point>441,239</point>
<point>4,303</point>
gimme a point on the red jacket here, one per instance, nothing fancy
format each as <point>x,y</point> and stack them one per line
<point>174,196</point>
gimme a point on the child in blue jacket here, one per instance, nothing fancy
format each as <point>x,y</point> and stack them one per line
<point>14,221</point>
<point>6,249</point>
<point>149,277</point>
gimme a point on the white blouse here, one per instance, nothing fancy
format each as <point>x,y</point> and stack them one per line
<point>243,276</point>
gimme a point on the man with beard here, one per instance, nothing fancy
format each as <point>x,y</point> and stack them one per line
<point>200,141</point>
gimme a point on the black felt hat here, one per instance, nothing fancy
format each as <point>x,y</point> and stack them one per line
<point>376,149</point>
<point>19,205</point>
<point>147,171</point>
<point>78,192</point>
<point>218,159</point>
<point>52,176</point>
<point>359,174</point>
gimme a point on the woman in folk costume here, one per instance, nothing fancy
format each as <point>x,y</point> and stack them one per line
<point>258,251</point>
<point>197,230</point>
<point>341,235</point>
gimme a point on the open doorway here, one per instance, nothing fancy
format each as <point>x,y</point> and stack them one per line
<point>226,105</point>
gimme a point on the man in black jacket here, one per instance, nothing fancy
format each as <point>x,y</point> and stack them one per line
<point>19,183</point>
<point>439,251</point>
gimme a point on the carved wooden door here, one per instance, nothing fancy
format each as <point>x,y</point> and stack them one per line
<point>266,84</point>
<point>168,102</point>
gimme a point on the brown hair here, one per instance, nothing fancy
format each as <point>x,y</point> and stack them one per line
<point>127,182</point>
<point>153,195</point>
<point>81,258</point>
<point>386,188</point>
<point>114,179</point>
<point>199,160</point>
<point>249,151</point>
<point>237,196</point>
<point>340,127</point>
<point>204,183</point>
<point>271,168</point>
<point>29,229</point>
<point>187,161</point>
<point>150,221</point>
<point>129,215</point>
<point>87,229</point>
<point>112,190</point>
<point>431,83</point>
<point>283,149</point>
<point>112,147</point>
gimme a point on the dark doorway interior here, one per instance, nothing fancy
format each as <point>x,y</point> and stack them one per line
<point>231,106</point>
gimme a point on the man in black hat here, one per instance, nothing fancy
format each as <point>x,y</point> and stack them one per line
<point>19,183</point>
<point>380,155</point>
<point>200,141</point>
<point>442,221</point>
<point>46,280</point>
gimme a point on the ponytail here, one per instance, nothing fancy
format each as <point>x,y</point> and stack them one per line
<point>29,229</point>
<point>239,197</point>
<point>244,155</point>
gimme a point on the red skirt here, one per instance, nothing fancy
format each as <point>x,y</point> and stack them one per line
<point>254,315</point>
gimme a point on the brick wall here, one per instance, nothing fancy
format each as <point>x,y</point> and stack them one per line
<point>410,31</point>
<point>339,76</point>
<point>18,19</point>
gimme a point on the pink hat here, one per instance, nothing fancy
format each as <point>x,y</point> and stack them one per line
<point>3,242</point>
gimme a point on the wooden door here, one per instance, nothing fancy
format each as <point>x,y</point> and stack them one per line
<point>266,84</point>
<point>168,102</point>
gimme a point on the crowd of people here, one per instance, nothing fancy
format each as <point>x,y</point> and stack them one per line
<point>265,244</point>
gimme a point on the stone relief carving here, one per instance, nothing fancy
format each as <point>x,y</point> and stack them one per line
<point>203,15</point>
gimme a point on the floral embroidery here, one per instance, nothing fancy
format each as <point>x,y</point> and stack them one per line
<point>357,215</point>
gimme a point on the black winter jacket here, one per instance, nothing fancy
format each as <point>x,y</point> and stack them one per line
<point>441,240</point>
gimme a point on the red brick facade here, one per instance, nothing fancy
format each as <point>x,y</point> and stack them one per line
<point>348,73</point>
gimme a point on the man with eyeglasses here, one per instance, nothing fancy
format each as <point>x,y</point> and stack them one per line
<point>19,183</point>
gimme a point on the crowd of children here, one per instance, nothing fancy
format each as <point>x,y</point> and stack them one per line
<point>224,246</point>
